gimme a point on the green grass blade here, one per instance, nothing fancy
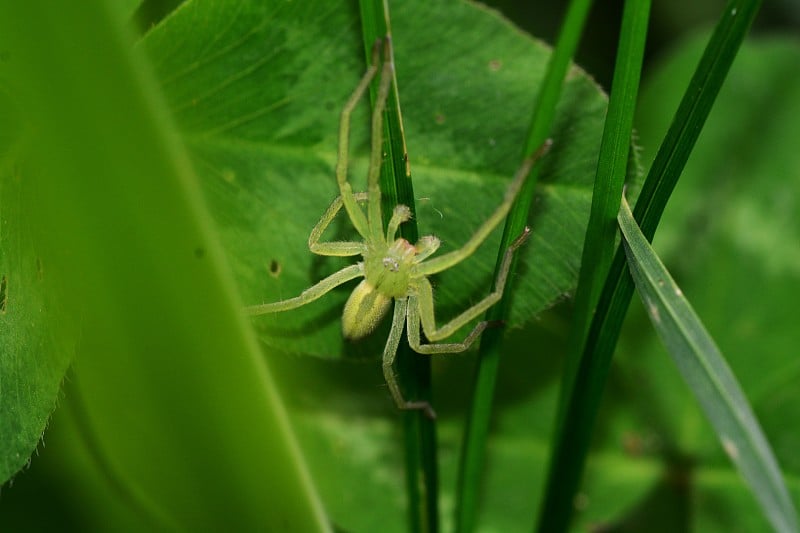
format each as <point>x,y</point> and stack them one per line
<point>692,112</point>
<point>708,375</point>
<point>413,369</point>
<point>477,427</point>
<point>618,288</point>
<point>583,383</point>
<point>672,155</point>
<point>177,390</point>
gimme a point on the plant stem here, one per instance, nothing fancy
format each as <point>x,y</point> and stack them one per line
<point>477,428</point>
<point>617,290</point>
<point>413,369</point>
<point>578,405</point>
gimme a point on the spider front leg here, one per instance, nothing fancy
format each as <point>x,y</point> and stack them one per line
<point>389,354</point>
<point>340,248</point>
<point>421,311</point>
<point>312,293</point>
<point>369,226</point>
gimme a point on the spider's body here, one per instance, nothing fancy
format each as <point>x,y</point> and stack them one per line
<point>394,269</point>
<point>390,268</point>
<point>389,272</point>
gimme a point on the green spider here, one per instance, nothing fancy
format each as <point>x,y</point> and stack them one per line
<point>393,268</point>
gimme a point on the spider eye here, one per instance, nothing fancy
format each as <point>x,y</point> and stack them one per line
<point>391,264</point>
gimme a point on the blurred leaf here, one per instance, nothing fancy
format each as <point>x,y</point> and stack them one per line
<point>37,347</point>
<point>354,446</point>
<point>708,375</point>
<point>730,237</point>
<point>178,402</point>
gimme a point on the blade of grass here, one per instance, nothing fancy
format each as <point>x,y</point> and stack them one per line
<point>692,113</point>
<point>413,369</point>
<point>708,375</point>
<point>576,418</point>
<point>661,179</point>
<point>476,431</point>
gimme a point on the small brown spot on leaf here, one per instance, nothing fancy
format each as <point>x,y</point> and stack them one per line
<point>274,268</point>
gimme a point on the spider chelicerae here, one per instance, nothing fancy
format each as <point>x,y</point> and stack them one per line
<point>392,267</point>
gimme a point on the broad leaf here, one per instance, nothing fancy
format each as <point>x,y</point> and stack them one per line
<point>258,93</point>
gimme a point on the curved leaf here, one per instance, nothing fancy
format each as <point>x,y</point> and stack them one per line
<point>730,239</point>
<point>708,375</point>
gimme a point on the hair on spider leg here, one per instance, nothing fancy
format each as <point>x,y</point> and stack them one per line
<point>428,199</point>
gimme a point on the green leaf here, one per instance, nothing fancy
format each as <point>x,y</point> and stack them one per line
<point>175,390</point>
<point>260,107</point>
<point>354,447</point>
<point>36,348</point>
<point>708,375</point>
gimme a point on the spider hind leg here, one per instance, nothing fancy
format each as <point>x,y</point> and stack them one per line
<point>389,355</point>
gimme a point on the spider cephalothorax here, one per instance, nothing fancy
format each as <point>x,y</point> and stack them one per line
<point>394,269</point>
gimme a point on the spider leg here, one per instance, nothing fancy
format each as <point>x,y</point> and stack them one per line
<point>374,215</point>
<point>355,212</point>
<point>340,248</point>
<point>389,354</point>
<point>400,214</point>
<point>312,293</point>
<point>449,259</point>
<point>415,341</point>
<point>422,310</point>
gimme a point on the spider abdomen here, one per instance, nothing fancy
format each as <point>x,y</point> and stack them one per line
<point>363,311</point>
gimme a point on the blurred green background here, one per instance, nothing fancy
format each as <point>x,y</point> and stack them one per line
<point>39,499</point>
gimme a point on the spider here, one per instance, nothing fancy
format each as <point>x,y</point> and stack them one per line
<point>392,267</point>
